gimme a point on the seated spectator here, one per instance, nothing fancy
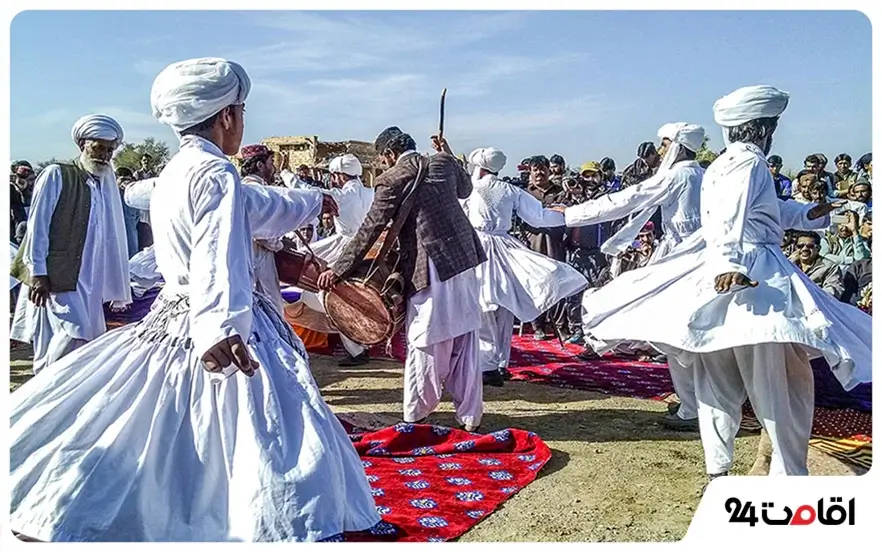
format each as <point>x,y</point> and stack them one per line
<point>856,279</point>
<point>326,228</point>
<point>783,185</point>
<point>866,229</point>
<point>809,188</point>
<point>842,244</point>
<point>844,177</point>
<point>861,192</point>
<point>819,270</point>
<point>826,176</point>
<point>788,245</point>
<point>864,166</point>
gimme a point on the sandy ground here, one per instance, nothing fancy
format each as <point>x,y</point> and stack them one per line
<point>615,475</point>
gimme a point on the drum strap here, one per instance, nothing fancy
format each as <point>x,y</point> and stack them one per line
<point>403,210</point>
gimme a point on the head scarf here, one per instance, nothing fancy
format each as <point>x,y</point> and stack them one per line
<point>347,164</point>
<point>668,130</point>
<point>489,159</point>
<point>96,127</point>
<point>748,104</point>
<point>189,92</point>
<point>255,150</point>
<point>687,136</point>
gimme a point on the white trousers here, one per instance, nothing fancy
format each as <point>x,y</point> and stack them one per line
<point>451,365</point>
<point>778,380</point>
<point>495,339</point>
<point>51,344</point>
<point>683,378</point>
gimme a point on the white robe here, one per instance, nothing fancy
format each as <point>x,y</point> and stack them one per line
<point>673,302</point>
<point>13,251</point>
<point>143,272</point>
<point>73,316</point>
<point>129,439</point>
<point>514,280</point>
<point>266,275</point>
<point>676,192</point>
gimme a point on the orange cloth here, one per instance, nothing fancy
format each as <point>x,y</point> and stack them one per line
<point>312,339</point>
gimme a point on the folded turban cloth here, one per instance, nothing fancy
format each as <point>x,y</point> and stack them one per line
<point>669,130</point>
<point>189,92</point>
<point>689,136</point>
<point>386,137</point>
<point>489,159</point>
<point>256,150</point>
<point>748,104</point>
<point>347,164</point>
<point>96,127</point>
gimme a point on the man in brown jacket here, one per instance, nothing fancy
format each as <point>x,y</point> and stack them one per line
<point>439,252</point>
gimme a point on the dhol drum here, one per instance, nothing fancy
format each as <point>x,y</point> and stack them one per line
<point>299,269</point>
<point>369,306</point>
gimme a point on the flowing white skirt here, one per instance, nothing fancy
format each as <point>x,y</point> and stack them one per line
<point>673,303</point>
<point>13,251</point>
<point>126,439</point>
<point>329,249</point>
<point>522,281</point>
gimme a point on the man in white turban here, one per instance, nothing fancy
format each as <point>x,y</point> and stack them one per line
<point>515,281</point>
<point>202,422</point>
<point>675,192</point>
<point>74,257</point>
<point>354,200</point>
<point>666,134</point>
<point>736,308</point>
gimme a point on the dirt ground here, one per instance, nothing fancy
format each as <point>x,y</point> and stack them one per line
<point>615,475</point>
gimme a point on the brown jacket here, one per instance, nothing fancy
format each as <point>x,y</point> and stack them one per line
<point>548,241</point>
<point>436,227</point>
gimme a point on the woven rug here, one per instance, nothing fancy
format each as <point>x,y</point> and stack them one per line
<point>433,483</point>
<point>844,432</point>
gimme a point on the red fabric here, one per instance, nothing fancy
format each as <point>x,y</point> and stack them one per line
<point>255,150</point>
<point>434,483</point>
<point>545,362</point>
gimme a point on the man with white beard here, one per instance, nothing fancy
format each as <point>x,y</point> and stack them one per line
<point>743,315</point>
<point>74,257</point>
<point>674,191</point>
<point>515,280</point>
<point>354,200</point>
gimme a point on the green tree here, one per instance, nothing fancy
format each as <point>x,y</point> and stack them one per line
<point>129,155</point>
<point>704,153</point>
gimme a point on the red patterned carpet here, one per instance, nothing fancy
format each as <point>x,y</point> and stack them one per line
<point>434,483</point>
<point>845,433</point>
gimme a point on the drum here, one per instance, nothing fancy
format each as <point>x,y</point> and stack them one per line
<point>299,269</point>
<point>368,308</point>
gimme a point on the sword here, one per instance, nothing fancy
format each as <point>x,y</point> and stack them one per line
<point>441,123</point>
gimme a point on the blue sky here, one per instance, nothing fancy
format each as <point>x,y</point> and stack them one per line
<point>582,84</point>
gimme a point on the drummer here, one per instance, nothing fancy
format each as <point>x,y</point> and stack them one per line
<point>354,200</point>
<point>440,251</point>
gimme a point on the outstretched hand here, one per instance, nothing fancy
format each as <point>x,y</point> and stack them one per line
<point>724,282</point>
<point>821,210</point>
<point>231,350</point>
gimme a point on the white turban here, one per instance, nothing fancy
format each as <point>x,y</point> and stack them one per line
<point>668,130</point>
<point>96,127</point>
<point>189,92</point>
<point>750,103</point>
<point>347,164</point>
<point>489,159</point>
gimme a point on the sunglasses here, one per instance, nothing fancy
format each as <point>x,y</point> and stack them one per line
<point>805,246</point>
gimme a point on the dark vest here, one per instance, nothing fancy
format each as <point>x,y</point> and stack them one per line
<point>67,233</point>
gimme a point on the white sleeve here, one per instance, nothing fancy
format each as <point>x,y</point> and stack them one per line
<point>725,213</point>
<point>794,216</point>
<point>47,190</point>
<point>618,205</point>
<point>531,211</point>
<point>273,212</point>
<point>137,194</point>
<point>219,263</point>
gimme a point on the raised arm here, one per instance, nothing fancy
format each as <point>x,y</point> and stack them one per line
<point>137,194</point>
<point>273,212</point>
<point>803,216</point>
<point>649,193</point>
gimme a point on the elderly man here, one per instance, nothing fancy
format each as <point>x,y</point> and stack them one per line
<point>439,253</point>
<point>675,193</point>
<point>74,256</point>
<point>354,200</point>
<point>736,308</point>
<point>202,422</point>
<point>515,281</point>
